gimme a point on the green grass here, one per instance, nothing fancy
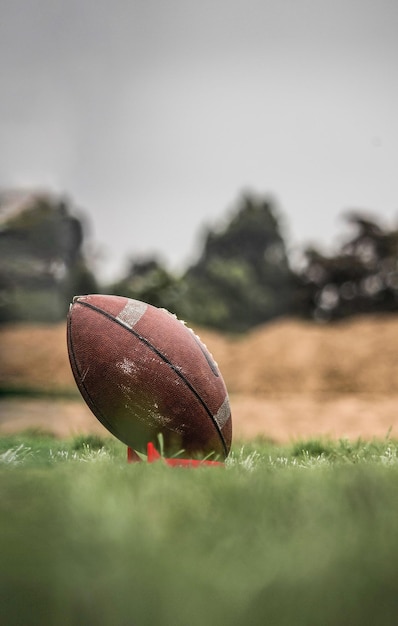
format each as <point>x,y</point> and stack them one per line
<point>305,534</point>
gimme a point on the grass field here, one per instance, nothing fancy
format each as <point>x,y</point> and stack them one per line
<point>305,534</point>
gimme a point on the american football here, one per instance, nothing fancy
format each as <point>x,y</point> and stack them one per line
<point>144,373</point>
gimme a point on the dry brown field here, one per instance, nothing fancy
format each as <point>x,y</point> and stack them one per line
<point>287,380</point>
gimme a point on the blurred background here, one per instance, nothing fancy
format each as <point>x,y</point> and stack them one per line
<point>154,116</point>
<point>233,162</point>
<point>242,278</point>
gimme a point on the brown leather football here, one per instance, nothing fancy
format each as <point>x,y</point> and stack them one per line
<point>143,373</point>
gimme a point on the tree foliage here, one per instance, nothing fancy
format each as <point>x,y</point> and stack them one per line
<point>42,261</point>
<point>362,277</point>
<point>148,280</point>
<point>243,276</point>
<point>241,279</point>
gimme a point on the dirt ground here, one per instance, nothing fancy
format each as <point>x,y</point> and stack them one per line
<point>287,380</point>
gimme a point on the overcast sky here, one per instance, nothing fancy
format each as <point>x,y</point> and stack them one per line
<point>154,115</point>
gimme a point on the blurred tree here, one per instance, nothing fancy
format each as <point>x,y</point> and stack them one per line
<point>41,253</point>
<point>361,278</point>
<point>242,277</point>
<point>148,280</point>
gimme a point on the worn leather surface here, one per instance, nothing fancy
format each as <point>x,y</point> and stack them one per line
<point>143,372</point>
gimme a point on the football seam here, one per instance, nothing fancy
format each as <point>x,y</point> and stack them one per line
<point>165,359</point>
